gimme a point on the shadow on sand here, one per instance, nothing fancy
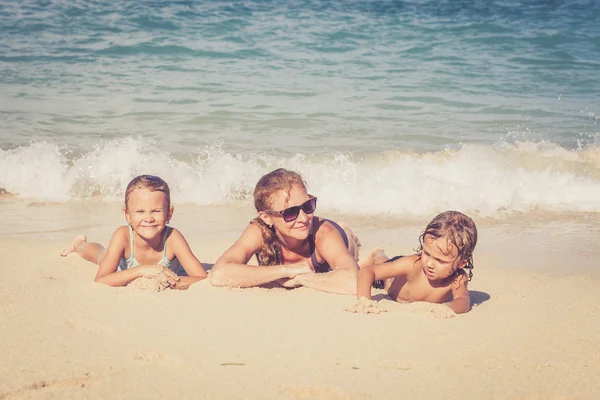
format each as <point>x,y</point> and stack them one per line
<point>478,298</point>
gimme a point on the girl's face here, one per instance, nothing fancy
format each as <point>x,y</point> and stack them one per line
<point>296,229</point>
<point>439,258</point>
<point>148,212</point>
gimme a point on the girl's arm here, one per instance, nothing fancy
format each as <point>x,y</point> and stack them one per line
<point>187,259</point>
<point>342,279</point>
<point>461,299</point>
<point>107,271</point>
<point>368,275</point>
<point>231,268</point>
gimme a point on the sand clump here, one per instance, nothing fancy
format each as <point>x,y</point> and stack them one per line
<point>149,284</point>
<point>365,306</point>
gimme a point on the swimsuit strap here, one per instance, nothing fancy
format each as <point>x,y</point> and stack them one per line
<point>311,242</point>
<point>131,235</point>
<point>164,261</point>
<point>165,234</point>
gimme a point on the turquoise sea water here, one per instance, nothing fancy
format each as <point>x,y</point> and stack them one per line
<point>386,107</point>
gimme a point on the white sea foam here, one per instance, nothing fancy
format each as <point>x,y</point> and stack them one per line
<point>486,181</point>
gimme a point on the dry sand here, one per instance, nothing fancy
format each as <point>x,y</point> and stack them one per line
<point>532,334</point>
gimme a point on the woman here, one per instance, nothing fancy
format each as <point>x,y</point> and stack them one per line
<point>293,247</point>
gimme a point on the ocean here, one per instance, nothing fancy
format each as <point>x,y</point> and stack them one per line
<point>387,108</point>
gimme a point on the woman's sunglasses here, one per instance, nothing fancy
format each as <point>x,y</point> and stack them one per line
<point>290,214</point>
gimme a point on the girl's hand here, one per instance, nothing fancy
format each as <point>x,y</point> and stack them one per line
<point>162,274</point>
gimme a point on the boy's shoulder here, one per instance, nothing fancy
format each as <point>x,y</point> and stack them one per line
<point>404,265</point>
<point>460,278</point>
<point>399,260</point>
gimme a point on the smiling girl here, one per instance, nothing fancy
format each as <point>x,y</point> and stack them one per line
<point>293,247</point>
<point>146,246</point>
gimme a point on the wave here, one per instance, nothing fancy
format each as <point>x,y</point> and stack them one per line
<point>488,181</point>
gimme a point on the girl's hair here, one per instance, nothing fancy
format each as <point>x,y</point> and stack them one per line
<point>460,232</point>
<point>279,180</point>
<point>152,183</point>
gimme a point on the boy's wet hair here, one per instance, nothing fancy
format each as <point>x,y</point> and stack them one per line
<point>460,232</point>
<point>151,182</point>
<point>280,179</point>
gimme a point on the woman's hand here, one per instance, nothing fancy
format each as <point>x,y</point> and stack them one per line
<point>293,270</point>
<point>162,274</point>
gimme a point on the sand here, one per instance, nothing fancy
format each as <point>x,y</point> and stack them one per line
<point>532,333</point>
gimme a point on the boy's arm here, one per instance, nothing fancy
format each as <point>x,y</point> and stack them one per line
<point>367,275</point>
<point>187,259</point>
<point>461,300</point>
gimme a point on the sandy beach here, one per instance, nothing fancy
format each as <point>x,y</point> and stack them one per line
<point>392,112</point>
<point>532,333</point>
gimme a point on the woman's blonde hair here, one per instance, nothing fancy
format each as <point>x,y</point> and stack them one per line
<point>279,180</point>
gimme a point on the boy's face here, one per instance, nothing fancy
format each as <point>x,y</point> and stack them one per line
<point>439,258</point>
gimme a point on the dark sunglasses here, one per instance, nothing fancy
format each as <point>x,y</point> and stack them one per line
<point>290,214</point>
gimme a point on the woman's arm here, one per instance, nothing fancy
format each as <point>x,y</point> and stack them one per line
<point>342,279</point>
<point>231,268</point>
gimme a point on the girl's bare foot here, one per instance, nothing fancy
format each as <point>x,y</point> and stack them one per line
<point>78,240</point>
<point>377,256</point>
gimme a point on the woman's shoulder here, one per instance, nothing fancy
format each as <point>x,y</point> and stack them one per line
<point>323,227</point>
<point>253,233</point>
<point>323,223</point>
<point>253,226</point>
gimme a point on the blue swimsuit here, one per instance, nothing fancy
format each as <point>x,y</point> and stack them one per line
<point>173,265</point>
